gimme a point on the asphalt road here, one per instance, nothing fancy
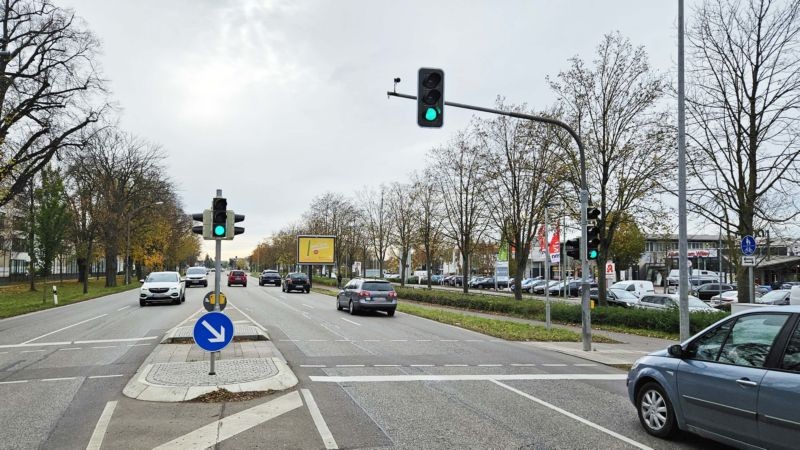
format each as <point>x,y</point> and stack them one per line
<point>366,381</point>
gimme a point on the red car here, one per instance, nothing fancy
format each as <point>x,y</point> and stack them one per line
<point>237,277</point>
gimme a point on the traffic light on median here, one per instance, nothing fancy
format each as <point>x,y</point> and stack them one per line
<point>572,248</point>
<point>205,218</point>
<point>231,229</point>
<point>592,234</point>
<point>219,222</point>
<point>430,98</point>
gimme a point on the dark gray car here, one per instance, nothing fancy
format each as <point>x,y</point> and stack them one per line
<point>367,295</point>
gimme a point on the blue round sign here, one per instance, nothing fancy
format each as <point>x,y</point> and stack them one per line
<point>748,245</point>
<point>213,331</point>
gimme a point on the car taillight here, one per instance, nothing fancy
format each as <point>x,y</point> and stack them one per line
<point>392,294</point>
<point>363,294</point>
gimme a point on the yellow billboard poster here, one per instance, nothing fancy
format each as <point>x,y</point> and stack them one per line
<point>315,249</point>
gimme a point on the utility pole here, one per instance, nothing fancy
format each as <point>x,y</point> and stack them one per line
<point>683,250</point>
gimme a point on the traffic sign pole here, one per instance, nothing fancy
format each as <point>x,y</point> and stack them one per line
<point>217,281</point>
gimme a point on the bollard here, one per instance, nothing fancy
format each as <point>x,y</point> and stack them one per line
<point>55,295</point>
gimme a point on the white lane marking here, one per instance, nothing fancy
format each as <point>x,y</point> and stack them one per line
<point>387,365</point>
<point>313,365</point>
<point>456,365</point>
<point>372,340</point>
<point>585,365</point>
<point>573,416</point>
<point>43,344</point>
<point>69,349</point>
<point>399,340</point>
<point>65,328</point>
<point>246,316</point>
<point>470,377</point>
<point>490,365</point>
<point>105,376</point>
<point>219,430</point>
<point>32,351</point>
<point>319,421</point>
<point>289,340</point>
<point>124,307</point>
<point>354,323</point>
<point>58,379</point>
<point>554,365</point>
<point>349,365</point>
<point>305,314</point>
<point>13,382</point>
<point>139,345</point>
<point>523,365</point>
<point>473,340</point>
<point>102,426</point>
<point>343,340</point>
<point>3,353</point>
<point>107,341</point>
<point>307,306</point>
<point>317,340</point>
<point>421,365</point>
<point>424,340</point>
<point>106,346</point>
<point>448,340</point>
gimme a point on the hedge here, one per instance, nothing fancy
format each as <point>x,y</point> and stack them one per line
<point>647,319</point>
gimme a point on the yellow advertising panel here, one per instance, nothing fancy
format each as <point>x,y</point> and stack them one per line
<point>315,249</point>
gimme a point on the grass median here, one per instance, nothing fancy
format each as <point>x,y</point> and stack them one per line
<point>17,299</point>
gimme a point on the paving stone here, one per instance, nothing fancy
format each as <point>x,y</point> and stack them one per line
<point>238,330</point>
<point>196,373</point>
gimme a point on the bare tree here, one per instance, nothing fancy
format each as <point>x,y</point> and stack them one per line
<point>376,211</point>
<point>527,165</point>
<point>743,97</point>
<point>332,214</point>
<point>403,232</point>
<point>461,181</point>
<point>629,144</point>
<point>49,88</point>
<point>427,212</point>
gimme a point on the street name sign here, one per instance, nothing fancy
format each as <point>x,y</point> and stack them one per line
<point>748,261</point>
<point>210,300</point>
<point>748,245</point>
<point>213,331</point>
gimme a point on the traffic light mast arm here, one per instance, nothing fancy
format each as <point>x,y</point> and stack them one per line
<point>584,197</point>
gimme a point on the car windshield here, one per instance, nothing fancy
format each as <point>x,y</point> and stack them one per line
<point>623,295</point>
<point>196,271</point>
<point>377,286</point>
<point>162,277</point>
<point>772,296</point>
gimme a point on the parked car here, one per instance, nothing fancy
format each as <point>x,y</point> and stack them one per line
<point>734,382</point>
<point>638,288</point>
<point>615,297</point>
<point>269,276</point>
<point>670,301</point>
<point>571,287</point>
<point>776,297</point>
<point>525,285</point>
<point>436,279</point>
<point>237,277</point>
<point>297,281</point>
<point>724,298</point>
<point>162,287</point>
<point>702,276</point>
<point>196,275</point>
<point>539,289</point>
<point>708,290</point>
<point>367,295</point>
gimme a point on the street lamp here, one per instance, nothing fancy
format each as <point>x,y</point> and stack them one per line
<point>128,243</point>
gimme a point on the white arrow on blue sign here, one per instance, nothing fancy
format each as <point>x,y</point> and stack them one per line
<point>213,331</point>
<point>748,245</point>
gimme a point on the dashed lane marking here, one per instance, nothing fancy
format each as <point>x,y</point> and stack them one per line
<point>94,377</point>
<point>469,377</point>
<point>102,426</point>
<point>58,379</point>
<point>319,421</point>
<point>350,321</point>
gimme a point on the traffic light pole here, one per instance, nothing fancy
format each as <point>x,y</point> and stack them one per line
<point>217,281</point>
<point>584,198</point>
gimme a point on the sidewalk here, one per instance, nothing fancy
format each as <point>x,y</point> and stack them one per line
<point>630,348</point>
<point>177,369</point>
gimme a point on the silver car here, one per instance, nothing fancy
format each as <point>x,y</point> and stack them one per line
<point>736,382</point>
<point>162,287</point>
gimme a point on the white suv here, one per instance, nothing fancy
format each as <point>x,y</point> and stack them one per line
<point>196,275</point>
<point>162,287</point>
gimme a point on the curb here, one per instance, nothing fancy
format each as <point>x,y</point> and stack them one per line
<point>140,389</point>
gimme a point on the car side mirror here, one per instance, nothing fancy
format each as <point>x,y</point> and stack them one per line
<point>141,281</point>
<point>675,351</point>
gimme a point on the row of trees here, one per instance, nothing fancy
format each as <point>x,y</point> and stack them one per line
<point>78,180</point>
<point>492,180</point>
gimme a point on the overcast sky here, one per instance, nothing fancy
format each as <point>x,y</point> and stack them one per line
<point>277,102</point>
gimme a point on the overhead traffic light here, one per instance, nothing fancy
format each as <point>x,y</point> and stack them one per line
<point>205,218</point>
<point>231,229</point>
<point>592,233</point>
<point>219,221</point>
<point>430,97</point>
<point>572,248</point>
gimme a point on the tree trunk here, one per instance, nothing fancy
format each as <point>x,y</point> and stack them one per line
<point>111,269</point>
<point>465,276</point>
<point>403,257</point>
<point>428,265</point>
<point>519,273</point>
<point>601,280</point>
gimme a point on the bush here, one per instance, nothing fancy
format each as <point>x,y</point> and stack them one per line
<point>326,281</point>
<point>664,321</point>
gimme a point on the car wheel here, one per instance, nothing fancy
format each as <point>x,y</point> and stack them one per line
<point>390,313</point>
<point>655,410</point>
<point>351,309</point>
<point>177,301</point>
<point>229,285</point>
<point>142,303</point>
<point>308,290</point>
<point>338,305</point>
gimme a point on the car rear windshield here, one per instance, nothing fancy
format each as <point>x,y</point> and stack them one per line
<point>300,276</point>
<point>196,270</point>
<point>237,273</point>
<point>377,286</point>
<point>161,277</point>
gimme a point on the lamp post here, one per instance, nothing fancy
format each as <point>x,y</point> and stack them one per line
<point>128,240</point>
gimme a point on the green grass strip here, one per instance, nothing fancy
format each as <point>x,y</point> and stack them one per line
<point>17,299</point>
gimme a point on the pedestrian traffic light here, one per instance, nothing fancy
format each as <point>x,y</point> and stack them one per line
<point>205,229</point>
<point>592,233</point>
<point>231,229</point>
<point>219,222</point>
<point>430,98</point>
<point>573,248</point>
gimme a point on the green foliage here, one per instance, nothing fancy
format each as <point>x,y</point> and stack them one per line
<point>644,319</point>
<point>51,219</point>
<point>628,243</point>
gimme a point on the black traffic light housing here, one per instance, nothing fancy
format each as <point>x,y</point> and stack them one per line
<point>430,98</point>
<point>219,218</point>
<point>572,248</point>
<point>231,229</point>
<point>592,233</point>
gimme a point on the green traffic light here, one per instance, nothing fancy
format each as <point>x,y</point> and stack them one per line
<point>219,230</point>
<point>592,254</point>
<point>431,114</point>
